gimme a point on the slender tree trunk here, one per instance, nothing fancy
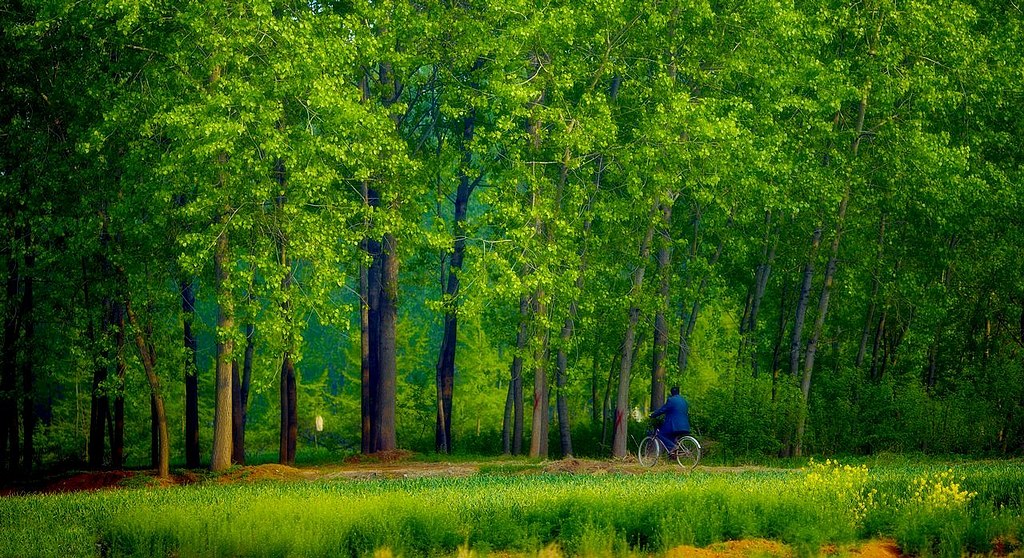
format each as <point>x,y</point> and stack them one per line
<point>690,320</point>
<point>148,357</point>
<point>539,432</point>
<point>819,323</point>
<point>9,380</point>
<point>826,288</point>
<point>188,310</point>
<point>516,384</point>
<point>780,334</point>
<point>237,451</point>
<point>388,365</point>
<point>117,441</point>
<point>222,420</point>
<point>374,300</point>
<point>660,324</point>
<point>288,392</point>
<point>449,341</point>
<point>100,408</point>
<point>875,285</point>
<point>796,340</point>
<point>28,417</point>
<point>243,394</point>
<point>626,364</point>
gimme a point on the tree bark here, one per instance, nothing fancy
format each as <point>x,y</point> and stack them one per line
<point>539,425</point>
<point>388,365</point>
<point>9,381</point>
<point>100,408</point>
<point>690,320</point>
<point>237,451</point>
<point>188,310</point>
<point>222,420</point>
<point>446,355</point>
<point>117,440</point>
<point>796,341</point>
<point>288,391</point>
<point>819,323</point>
<point>826,288</point>
<point>148,357</point>
<point>620,432</point>
<point>875,286</point>
<point>514,443</point>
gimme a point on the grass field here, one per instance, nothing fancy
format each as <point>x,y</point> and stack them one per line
<point>928,509</point>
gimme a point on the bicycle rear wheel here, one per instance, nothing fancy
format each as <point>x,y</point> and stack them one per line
<point>649,451</point>
<point>688,452</point>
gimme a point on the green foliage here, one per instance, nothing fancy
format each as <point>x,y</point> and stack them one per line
<point>927,508</point>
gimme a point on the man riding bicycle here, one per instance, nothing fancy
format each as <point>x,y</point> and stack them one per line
<point>677,419</point>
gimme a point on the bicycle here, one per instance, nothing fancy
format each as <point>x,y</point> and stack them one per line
<point>686,451</point>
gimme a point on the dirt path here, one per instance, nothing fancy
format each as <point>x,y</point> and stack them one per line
<point>396,465</point>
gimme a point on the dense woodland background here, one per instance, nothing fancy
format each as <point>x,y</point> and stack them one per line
<point>506,226</point>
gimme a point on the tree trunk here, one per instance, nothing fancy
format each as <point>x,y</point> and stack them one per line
<point>626,364</point>
<point>796,340</point>
<point>386,440</point>
<point>148,357</point>
<point>539,432</point>
<point>516,384</point>
<point>660,324</point>
<point>9,380</point>
<point>446,354</point>
<point>100,408</point>
<point>243,394</point>
<point>819,323</point>
<point>222,420</point>
<point>188,310</point>
<point>876,283</point>
<point>779,336</point>
<point>117,440</point>
<point>237,451</point>
<point>690,320</point>
<point>289,427</point>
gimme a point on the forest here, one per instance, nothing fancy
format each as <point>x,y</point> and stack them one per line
<point>245,229</point>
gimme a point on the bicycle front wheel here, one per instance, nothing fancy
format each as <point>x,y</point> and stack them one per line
<point>688,452</point>
<point>649,451</point>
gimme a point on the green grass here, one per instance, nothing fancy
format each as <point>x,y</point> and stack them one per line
<point>501,510</point>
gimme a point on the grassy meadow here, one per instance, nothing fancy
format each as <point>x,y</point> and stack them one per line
<point>928,509</point>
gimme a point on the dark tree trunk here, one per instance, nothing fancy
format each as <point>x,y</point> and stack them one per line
<point>289,428</point>
<point>237,451</point>
<point>117,440</point>
<point>9,379</point>
<point>539,432</point>
<point>388,365</point>
<point>660,324</point>
<point>876,348</point>
<point>100,408</point>
<point>515,444</point>
<point>188,310</point>
<point>154,433</point>
<point>796,341</point>
<point>289,414</point>
<point>28,417</point>
<point>626,364</point>
<point>780,334</point>
<point>446,354</point>
<point>243,394</point>
<point>374,299</point>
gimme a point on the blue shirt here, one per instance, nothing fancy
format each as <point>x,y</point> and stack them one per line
<point>677,414</point>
